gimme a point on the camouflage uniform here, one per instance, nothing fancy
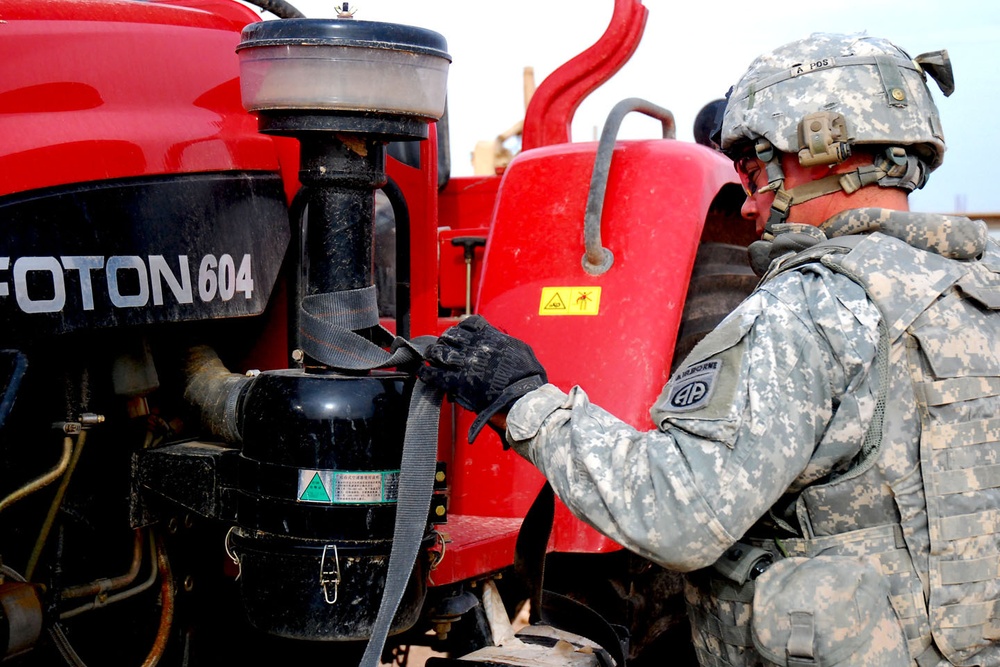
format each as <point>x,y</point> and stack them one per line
<point>764,438</point>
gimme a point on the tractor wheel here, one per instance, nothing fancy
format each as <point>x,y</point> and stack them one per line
<point>720,280</point>
<point>628,591</point>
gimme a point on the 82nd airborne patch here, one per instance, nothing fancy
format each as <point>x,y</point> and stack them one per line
<point>692,387</point>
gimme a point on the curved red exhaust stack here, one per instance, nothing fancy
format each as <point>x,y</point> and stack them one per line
<point>550,112</point>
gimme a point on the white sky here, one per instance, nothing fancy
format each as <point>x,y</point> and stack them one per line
<point>691,52</point>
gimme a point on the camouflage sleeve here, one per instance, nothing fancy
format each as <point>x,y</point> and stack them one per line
<point>778,392</point>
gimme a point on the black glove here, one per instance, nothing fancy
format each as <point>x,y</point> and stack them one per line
<point>481,369</point>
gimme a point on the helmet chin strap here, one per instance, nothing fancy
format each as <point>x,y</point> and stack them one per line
<point>891,169</point>
<point>785,199</point>
<point>824,139</point>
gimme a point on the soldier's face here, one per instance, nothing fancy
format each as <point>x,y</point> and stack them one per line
<point>757,206</point>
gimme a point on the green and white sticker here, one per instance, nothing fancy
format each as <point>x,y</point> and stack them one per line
<point>331,487</point>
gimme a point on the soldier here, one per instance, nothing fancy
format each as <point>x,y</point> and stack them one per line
<point>825,465</point>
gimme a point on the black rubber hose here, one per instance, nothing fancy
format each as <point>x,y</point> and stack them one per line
<point>279,8</point>
<point>214,392</point>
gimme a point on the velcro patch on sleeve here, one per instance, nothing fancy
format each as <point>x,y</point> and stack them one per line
<point>692,388</point>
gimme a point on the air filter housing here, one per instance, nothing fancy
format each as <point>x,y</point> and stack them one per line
<point>343,65</point>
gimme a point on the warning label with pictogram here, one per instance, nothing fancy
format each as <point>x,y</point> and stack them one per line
<point>570,301</point>
<point>311,487</point>
<point>332,487</point>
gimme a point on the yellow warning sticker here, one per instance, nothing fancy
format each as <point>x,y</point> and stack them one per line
<point>570,301</point>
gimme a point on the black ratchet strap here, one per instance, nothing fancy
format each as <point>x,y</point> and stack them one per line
<point>413,505</point>
<point>327,326</point>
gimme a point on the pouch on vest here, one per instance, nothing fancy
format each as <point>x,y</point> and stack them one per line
<point>826,611</point>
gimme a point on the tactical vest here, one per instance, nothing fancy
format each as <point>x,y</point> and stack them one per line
<point>922,502</point>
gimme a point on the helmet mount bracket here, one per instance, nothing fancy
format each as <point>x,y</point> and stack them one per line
<point>823,139</point>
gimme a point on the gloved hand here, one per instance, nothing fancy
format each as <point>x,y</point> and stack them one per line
<point>482,369</point>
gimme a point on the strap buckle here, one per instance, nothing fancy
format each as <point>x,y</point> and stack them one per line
<point>329,574</point>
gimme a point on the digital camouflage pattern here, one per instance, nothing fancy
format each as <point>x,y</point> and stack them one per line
<point>952,237</point>
<point>938,441</point>
<point>785,419</point>
<point>826,610</point>
<point>948,236</point>
<point>878,88</point>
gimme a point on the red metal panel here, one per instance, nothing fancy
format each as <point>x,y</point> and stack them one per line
<point>419,187</point>
<point>658,196</point>
<point>125,89</point>
<point>475,545</point>
<point>468,201</point>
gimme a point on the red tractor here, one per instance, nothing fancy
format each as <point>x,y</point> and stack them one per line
<point>225,242</point>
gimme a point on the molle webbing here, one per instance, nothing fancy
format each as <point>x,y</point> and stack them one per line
<point>942,321</point>
<point>955,372</point>
<point>948,336</point>
<point>720,617</point>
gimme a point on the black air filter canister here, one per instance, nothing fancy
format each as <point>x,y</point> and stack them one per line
<point>319,473</point>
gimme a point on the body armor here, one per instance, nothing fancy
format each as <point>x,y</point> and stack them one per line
<point>922,500</point>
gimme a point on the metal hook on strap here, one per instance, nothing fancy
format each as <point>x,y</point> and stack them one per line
<point>330,574</point>
<point>232,554</point>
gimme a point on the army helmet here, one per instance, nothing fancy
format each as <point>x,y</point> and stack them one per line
<point>821,95</point>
